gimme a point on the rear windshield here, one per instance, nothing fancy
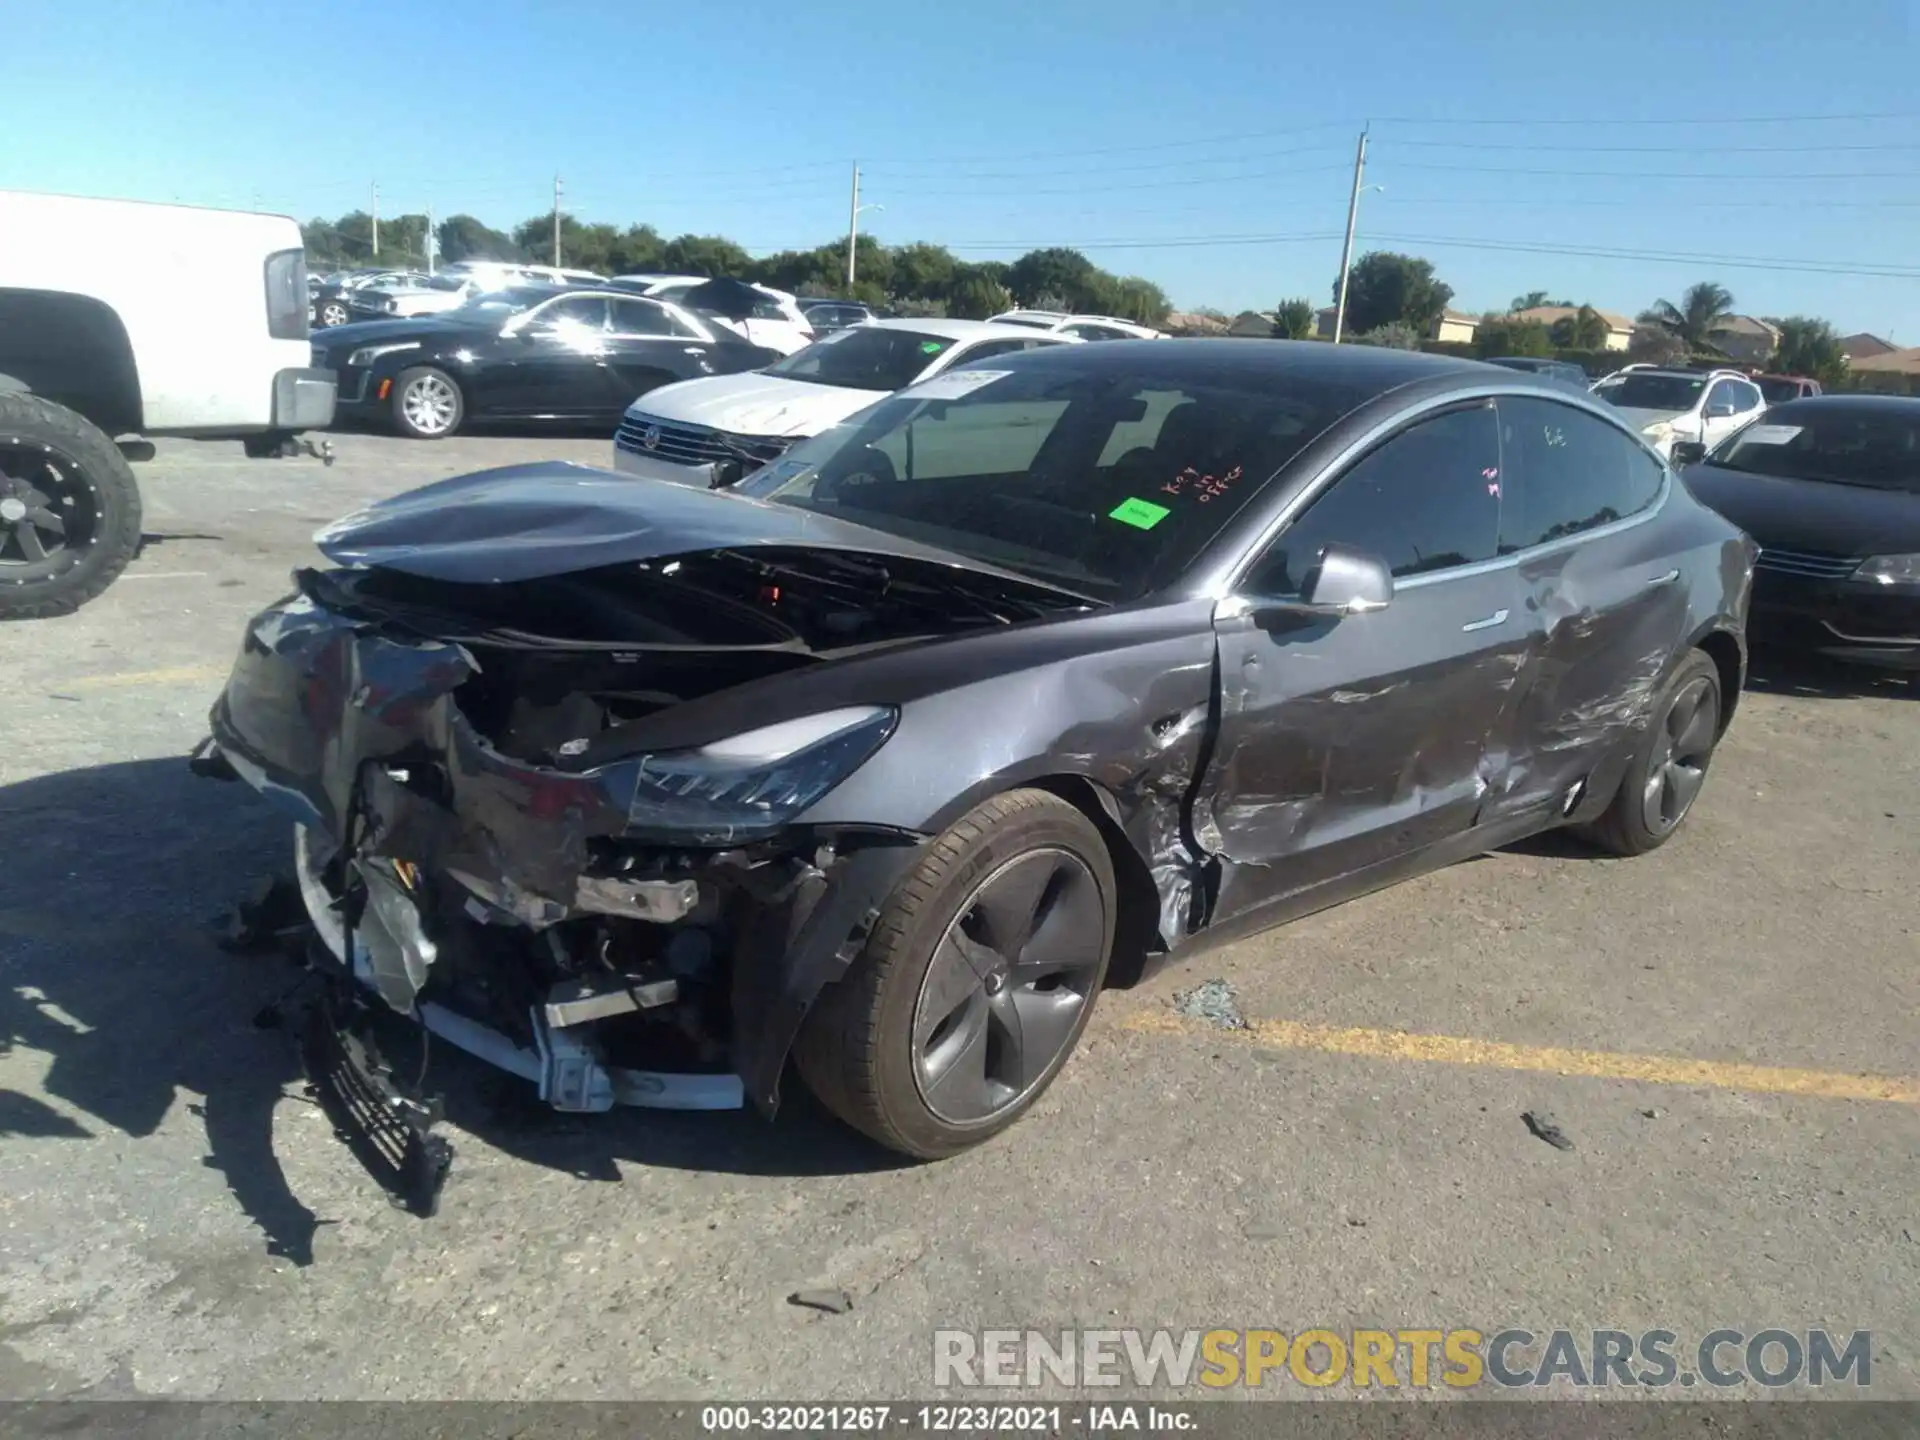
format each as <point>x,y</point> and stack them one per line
<point>865,358</point>
<point>1654,392</point>
<point>1840,446</point>
<point>1104,483</point>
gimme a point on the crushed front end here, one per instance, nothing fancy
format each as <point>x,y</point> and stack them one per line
<point>480,850</point>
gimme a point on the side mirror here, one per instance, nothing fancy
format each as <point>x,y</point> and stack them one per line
<point>1345,582</point>
<point>1688,452</point>
<point>1719,411</point>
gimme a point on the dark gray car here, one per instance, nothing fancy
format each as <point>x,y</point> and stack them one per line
<point>1020,683</point>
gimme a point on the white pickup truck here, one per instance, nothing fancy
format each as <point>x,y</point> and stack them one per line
<point>95,357</point>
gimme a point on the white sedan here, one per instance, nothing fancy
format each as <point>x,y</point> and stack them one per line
<point>684,432</point>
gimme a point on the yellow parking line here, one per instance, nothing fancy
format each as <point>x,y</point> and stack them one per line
<point>177,675</point>
<point>1495,1054</point>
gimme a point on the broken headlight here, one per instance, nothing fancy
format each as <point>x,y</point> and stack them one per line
<point>750,785</point>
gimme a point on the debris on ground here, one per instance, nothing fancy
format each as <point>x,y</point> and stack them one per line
<point>1649,1114</point>
<point>1540,1123</point>
<point>271,915</point>
<point>834,1302</point>
<point>1264,1230</point>
<point>1213,1001</point>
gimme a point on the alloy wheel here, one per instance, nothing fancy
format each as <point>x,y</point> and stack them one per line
<point>48,507</point>
<point>430,405</point>
<point>332,314</point>
<point>1678,765</point>
<point>1008,986</point>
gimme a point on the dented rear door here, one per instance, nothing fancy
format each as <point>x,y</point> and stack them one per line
<point>1605,580</point>
<point>1347,742</point>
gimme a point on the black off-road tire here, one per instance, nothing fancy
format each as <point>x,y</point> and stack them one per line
<point>854,1050</point>
<point>426,374</point>
<point>70,577</point>
<point>1622,829</point>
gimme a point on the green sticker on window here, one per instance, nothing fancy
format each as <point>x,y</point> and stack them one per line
<point>932,347</point>
<point>1141,514</point>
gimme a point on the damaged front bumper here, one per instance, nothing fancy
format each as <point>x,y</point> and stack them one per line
<point>505,907</point>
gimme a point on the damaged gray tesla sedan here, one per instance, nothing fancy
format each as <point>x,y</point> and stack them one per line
<point>887,757</point>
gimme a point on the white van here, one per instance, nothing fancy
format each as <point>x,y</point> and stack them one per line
<point>94,355</point>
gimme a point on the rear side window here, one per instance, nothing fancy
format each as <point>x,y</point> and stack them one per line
<point>287,295</point>
<point>1564,471</point>
<point>1426,499</point>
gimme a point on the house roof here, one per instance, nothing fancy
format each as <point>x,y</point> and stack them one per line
<point>1552,314</point>
<point>1745,325</point>
<point>1906,362</point>
<point>1460,317</point>
<point>1863,345</point>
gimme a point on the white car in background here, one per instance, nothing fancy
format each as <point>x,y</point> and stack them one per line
<point>458,283</point>
<point>777,323</point>
<point>683,432</point>
<point>1668,406</point>
<point>1080,327</point>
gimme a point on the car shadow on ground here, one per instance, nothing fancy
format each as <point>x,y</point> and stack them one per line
<point>1786,672</point>
<point>119,879</point>
<point>504,429</point>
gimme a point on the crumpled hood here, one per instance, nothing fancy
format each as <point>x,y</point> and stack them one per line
<point>754,403</point>
<point>521,522</point>
<point>1640,418</point>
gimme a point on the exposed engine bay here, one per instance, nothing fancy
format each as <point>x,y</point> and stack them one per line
<point>491,844</point>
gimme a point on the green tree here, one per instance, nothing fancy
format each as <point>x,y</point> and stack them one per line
<point>1293,319</point>
<point>640,250</point>
<point>1394,335</point>
<point>714,256</point>
<point>1696,317</point>
<point>1384,287</point>
<point>462,237</point>
<point>1503,335</point>
<point>977,295</point>
<point>1054,272</point>
<point>922,271</point>
<point>1809,347</point>
<point>1652,345</point>
<point>1532,300</point>
<point>1582,330</point>
<point>1125,297</point>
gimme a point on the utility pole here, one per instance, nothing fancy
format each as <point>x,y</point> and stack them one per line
<point>556,220</point>
<point>853,223</point>
<point>429,239</point>
<point>376,219</point>
<point>1346,251</point>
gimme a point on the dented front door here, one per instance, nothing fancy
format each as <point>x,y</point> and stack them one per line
<point>1347,742</point>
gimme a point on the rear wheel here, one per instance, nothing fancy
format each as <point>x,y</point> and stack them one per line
<point>69,509</point>
<point>976,982</point>
<point>427,403</point>
<point>334,312</point>
<point>1669,765</point>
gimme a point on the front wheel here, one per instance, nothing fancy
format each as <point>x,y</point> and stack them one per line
<point>1669,764</point>
<point>69,509</point>
<point>427,403</point>
<point>332,313</point>
<point>976,983</point>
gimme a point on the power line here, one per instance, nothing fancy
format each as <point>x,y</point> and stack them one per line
<point>1118,169</point>
<point>1720,175</point>
<point>1116,149</point>
<point>1653,120</point>
<point>1148,185</point>
<point>1397,142</point>
<point>1748,262</point>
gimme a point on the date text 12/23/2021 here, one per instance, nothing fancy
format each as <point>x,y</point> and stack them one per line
<point>961,1419</point>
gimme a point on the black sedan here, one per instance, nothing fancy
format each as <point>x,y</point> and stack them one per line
<point>532,353</point>
<point>1830,488</point>
<point>1021,682</point>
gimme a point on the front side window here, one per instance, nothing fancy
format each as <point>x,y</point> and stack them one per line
<point>637,317</point>
<point>1746,398</point>
<point>865,358</point>
<point>1564,471</point>
<point>1106,483</point>
<point>573,313</point>
<point>1425,499</point>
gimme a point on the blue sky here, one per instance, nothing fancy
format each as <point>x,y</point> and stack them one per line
<point>1205,146</point>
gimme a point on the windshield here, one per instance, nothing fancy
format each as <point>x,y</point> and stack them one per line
<point>1839,446</point>
<point>866,358</point>
<point>1106,484</point>
<point>1653,392</point>
<point>1778,392</point>
<point>1037,323</point>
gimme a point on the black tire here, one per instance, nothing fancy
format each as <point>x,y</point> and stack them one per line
<point>67,474</point>
<point>857,1049</point>
<point>409,389</point>
<point>1635,822</point>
